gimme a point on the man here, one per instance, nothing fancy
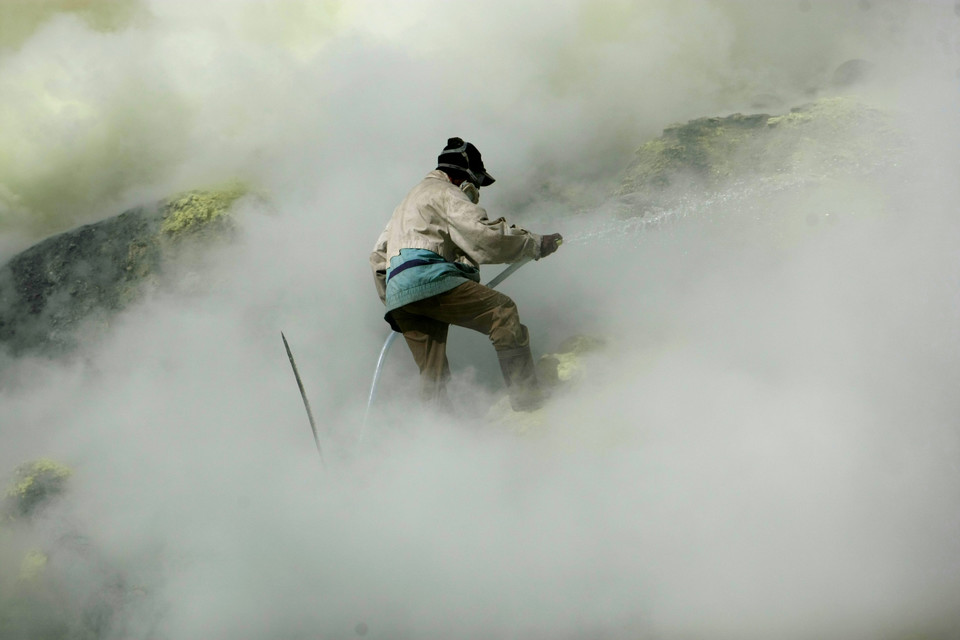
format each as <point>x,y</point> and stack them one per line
<point>426,267</point>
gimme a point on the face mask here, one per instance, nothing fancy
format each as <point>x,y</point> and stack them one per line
<point>471,190</point>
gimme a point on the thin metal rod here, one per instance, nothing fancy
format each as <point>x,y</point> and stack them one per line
<point>303,394</point>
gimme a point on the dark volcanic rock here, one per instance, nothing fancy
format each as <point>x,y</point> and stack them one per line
<point>47,291</point>
<point>827,137</point>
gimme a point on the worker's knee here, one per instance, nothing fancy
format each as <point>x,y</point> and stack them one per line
<point>506,331</point>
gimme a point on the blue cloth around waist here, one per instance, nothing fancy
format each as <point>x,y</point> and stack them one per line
<point>417,274</point>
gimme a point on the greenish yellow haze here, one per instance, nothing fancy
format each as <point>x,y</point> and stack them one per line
<point>101,98</point>
<point>104,104</point>
<point>19,19</point>
<point>76,147</point>
<point>301,27</point>
<point>68,145</point>
<point>720,48</point>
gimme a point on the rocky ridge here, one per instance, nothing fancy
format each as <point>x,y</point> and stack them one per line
<point>50,290</point>
<point>812,142</point>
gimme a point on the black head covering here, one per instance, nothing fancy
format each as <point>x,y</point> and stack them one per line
<point>464,158</point>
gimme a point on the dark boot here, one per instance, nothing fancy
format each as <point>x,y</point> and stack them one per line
<point>521,377</point>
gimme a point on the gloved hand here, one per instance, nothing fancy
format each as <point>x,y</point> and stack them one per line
<point>549,244</point>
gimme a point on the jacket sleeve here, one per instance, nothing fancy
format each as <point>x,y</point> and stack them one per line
<point>486,241</point>
<point>378,265</point>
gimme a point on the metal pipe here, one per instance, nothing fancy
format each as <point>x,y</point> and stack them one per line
<point>303,394</point>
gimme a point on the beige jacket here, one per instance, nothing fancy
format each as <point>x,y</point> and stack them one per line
<point>437,216</point>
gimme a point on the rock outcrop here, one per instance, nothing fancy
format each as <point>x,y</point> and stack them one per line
<point>34,485</point>
<point>49,290</point>
<point>815,140</point>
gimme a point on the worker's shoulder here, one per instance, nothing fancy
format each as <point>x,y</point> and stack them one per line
<point>437,181</point>
<point>435,188</point>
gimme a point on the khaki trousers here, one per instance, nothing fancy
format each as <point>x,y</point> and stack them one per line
<point>472,305</point>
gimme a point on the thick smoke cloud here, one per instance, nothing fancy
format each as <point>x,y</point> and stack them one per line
<point>768,448</point>
<point>177,94</point>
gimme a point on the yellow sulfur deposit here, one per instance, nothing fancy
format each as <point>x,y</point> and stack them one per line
<point>197,209</point>
<point>33,565</point>
<point>34,483</point>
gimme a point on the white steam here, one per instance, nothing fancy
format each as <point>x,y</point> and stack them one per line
<point>769,448</point>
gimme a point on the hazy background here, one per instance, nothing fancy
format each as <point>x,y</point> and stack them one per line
<point>769,449</point>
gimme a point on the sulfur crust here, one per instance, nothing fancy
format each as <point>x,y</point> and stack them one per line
<point>196,209</point>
